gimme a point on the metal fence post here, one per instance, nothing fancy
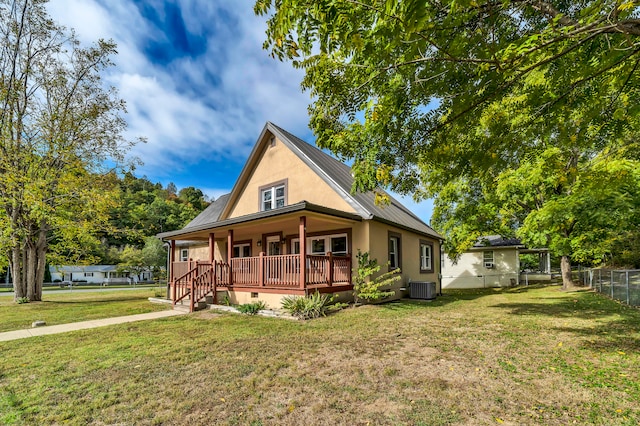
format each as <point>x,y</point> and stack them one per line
<point>611,284</point>
<point>600,279</point>
<point>627,278</point>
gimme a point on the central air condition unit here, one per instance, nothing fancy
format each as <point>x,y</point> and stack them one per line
<point>422,290</point>
<point>488,265</point>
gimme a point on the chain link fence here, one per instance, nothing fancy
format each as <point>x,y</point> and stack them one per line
<point>619,284</point>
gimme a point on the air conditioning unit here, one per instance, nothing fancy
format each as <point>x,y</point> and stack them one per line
<point>488,265</point>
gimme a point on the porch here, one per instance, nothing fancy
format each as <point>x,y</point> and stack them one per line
<point>272,274</point>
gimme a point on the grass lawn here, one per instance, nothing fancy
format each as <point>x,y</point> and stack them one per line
<point>73,307</point>
<point>513,357</point>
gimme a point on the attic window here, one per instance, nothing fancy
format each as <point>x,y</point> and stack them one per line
<point>273,196</point>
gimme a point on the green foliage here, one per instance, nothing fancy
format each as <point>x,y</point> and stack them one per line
<point>252,308</point>
<point>367,288</point>
<point>22,300</point>
<point>306,307</point>
<point>60,134</point>
<point>516,117</point>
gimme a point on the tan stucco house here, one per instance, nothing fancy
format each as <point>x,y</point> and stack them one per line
<point>291,226</point>
<point>493,261</point>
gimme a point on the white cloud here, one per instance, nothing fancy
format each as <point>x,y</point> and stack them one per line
<point>210,106</point>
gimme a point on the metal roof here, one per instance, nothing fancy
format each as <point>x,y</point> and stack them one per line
<point>338,176</point>
<point>301,206</point>
<point>497,241</point>
<point>211,214</point>
<point>335,173</point>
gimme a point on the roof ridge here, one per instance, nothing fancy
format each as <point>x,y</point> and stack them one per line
<point>296,141</point>
<point>335,160</point>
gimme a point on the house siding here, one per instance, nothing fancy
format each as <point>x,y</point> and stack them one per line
<point>410,255</point>
<point>276,164</point>
<point>469,271</point>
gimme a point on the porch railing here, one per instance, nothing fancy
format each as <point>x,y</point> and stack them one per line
<point>197,282</point>
<point>281,271</point>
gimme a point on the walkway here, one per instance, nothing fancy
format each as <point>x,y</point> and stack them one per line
<point>83,325</point>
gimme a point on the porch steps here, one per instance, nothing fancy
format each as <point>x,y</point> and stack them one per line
<point>183,305</point>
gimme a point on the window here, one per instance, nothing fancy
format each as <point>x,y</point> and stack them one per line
<point>184,255</point>
<point>487,258</point>
<point>317,246</point>
<point>242,250</point>
<point>394,251</point>
<point>321,245</point>
<point>426,256</point>
<point>88,274</point>
<point>273,197</point>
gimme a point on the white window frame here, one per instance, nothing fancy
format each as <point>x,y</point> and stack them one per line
<point>88,274</point>
<point>426,256</point>
<point>184,255</point>
<point>327,244</point>
<point>240,248</point>
<point>488,259</point>
<point>274,198</point>
<point>395,242</point>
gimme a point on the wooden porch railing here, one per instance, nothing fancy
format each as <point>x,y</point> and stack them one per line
<point>197,282</point>
<point>281,271</point>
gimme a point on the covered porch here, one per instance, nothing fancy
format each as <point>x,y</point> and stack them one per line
<point>294,250</point>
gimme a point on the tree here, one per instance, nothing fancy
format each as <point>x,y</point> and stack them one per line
<point>154,255</point>
<point>367,287</point>
<point>60,131</point>
<point>193,197</point>
<point>441,98</point>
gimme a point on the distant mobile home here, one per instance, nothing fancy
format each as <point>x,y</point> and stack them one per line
<point>493,261</point>
<point>97,274</point>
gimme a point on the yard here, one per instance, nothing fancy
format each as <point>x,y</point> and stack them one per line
<point>519,356</point>
<point>80,306</point>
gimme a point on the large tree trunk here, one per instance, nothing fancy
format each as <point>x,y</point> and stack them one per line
<point>19,286</point>
<point>565,269</point>
<point>27,267</point>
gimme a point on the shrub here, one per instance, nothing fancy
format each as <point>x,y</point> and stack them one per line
<point>368,289</point>
<point>306,307</point>
<point>21,300</point>
<point>252,308</point>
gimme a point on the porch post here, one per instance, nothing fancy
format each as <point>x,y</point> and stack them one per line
<point>330,261</point>
<point>172,259</point>
<point>211,247</point>
<point>261,270</point>
<point>302,234</point>
<point>230,254</point>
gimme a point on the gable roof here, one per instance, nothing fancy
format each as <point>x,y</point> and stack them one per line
<point>211,214</point>
<point>338,176</point>
<point>335,173</point>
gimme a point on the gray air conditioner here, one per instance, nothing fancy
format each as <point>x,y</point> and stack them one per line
<point>422,290</point>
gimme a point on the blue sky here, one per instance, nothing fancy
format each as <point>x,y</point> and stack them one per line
<point>198,85</point>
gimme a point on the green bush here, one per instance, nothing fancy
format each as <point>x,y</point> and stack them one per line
<point>369,289</point>
<point>21,300</point>
<point>306,307</point>
<point>252,308</point>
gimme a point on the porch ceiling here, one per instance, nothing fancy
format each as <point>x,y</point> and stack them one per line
<point>318,219</point>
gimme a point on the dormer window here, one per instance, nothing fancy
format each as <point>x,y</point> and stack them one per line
<point>273,197</point>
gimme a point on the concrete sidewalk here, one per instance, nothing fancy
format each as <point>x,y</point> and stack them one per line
<point>83,325</point>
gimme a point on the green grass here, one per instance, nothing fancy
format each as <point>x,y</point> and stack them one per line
<point>84,286</point>
<point>73,307</point>
<point>523,356</point>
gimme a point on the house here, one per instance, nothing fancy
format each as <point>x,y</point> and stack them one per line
<point>97,274</point>
<point>291,226</point>
<point>493,261</point>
